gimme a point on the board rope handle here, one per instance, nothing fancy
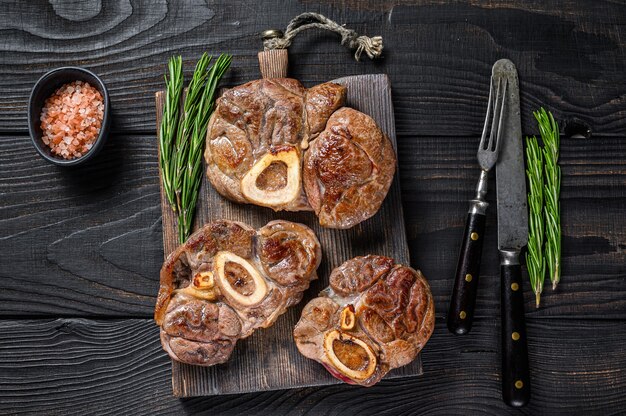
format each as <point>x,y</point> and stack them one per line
<point>273,61</point>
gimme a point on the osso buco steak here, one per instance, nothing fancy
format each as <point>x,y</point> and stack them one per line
<point>274,143</point>
<point>226,281</point>
<point>375,316</point>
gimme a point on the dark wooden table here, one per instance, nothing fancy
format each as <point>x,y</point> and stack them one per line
<point>81,249</point>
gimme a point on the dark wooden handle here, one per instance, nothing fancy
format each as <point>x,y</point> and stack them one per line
<point>463,300</point>
<point>515,375</point>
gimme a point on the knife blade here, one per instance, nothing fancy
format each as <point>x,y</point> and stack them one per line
<point>512,214</point>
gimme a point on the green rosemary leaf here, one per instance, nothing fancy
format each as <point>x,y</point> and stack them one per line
<point>535,260</point>
<point>169,124</point>
<point>191,110</point>
<point>182,136</point>
<point>192,168</point>
<point>549,130</point>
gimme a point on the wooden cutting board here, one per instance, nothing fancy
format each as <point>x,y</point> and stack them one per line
<point>269,359</point>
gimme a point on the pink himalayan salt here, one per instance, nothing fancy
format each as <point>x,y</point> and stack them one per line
<point>71,119</point>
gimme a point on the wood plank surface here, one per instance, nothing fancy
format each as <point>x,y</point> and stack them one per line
<point>571,54</point>
<point>116,367</point>
<point>71,240</point>
<point>87,242</point>
<point>80,241</point>
<point>269,359</point>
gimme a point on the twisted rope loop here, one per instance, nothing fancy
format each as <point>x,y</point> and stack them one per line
<point>373,46</point>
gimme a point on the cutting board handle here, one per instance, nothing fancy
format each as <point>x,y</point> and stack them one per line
<point>273,60</point>
<point>274,63</point>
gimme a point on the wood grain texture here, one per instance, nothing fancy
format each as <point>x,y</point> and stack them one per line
<point>71,240</point>
<point>252,367</point>
<point>87,242</point>
<point>570,54</point>
<point>80,241</point>
<point>117,367</point>
<point>273,63</point>
<point>439,180</point>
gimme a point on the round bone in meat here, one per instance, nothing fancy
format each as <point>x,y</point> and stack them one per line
<point>228,280</point>
<point>259,184</point>
<point>375,316</point>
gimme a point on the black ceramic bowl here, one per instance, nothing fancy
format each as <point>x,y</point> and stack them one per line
<point>43,89</point>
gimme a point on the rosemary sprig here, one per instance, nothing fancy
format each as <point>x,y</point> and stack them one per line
<point>169,123</point>
<point>551,141</point>
<point>182,136</point>
<point>535,260</point>
<point>192,177</point>
<point>191,110</point>
<point>544,177</point>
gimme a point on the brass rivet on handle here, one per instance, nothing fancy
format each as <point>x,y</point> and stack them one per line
<point>515,336</point>
<point>519,384</point>
<point>474,236</point>
<point>468,277</point>
<point>271,33</point>
<point>462,315</point>
<point>514,287</point>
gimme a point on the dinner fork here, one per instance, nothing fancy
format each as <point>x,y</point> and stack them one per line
<point>463,298</point>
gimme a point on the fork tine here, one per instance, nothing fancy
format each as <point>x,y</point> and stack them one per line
<point>496,112</point>
<point>498,139</point>
<point>489,107</point>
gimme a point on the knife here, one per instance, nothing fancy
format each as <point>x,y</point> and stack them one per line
<point>512,236</point>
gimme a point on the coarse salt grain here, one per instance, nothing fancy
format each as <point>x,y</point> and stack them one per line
<point>71,119</point>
